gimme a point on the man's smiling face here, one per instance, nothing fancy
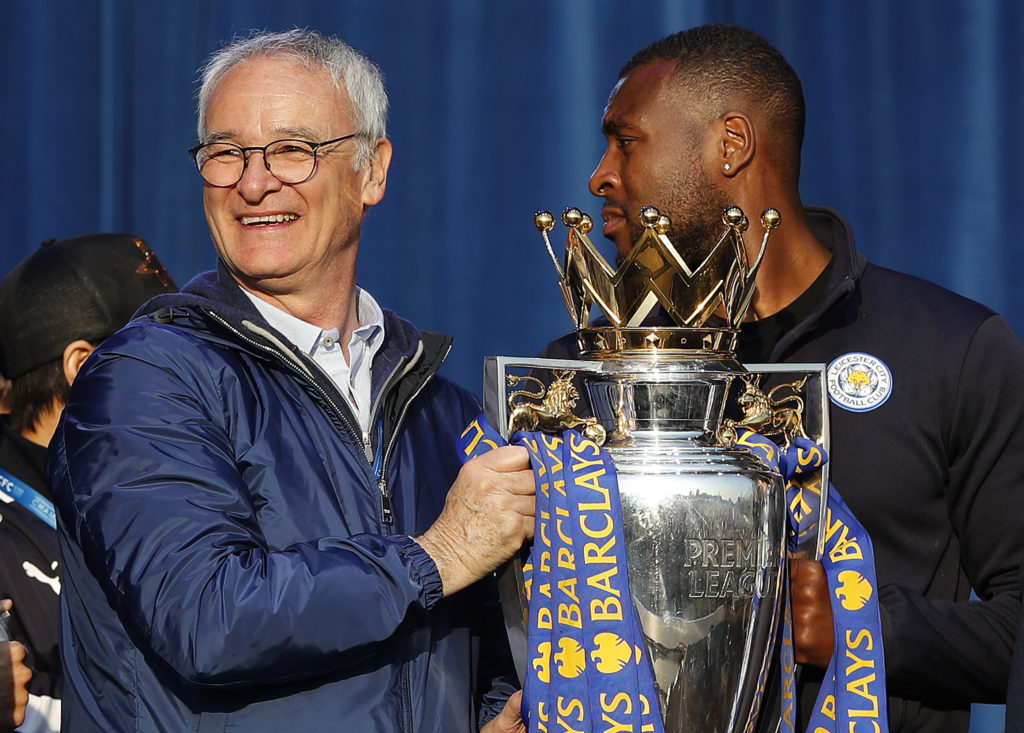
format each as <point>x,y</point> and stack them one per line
<point>278,237</point>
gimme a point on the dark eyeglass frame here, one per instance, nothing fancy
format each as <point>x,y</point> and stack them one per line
<point>247,151</point>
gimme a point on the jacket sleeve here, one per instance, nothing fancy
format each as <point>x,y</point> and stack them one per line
<point>147,484</point>
<point>496,675</point>
<point>960,651</point>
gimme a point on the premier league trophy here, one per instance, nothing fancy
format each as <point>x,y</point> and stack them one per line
<point>703,518</point>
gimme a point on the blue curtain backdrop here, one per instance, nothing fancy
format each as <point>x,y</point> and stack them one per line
<point>914,112</point>
<point>914,115</point>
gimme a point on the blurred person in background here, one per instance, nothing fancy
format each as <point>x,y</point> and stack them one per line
<point>56,307</point>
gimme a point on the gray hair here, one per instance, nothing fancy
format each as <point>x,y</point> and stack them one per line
<point>351,71</point>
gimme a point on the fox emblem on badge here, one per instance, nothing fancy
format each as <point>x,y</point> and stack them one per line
<point>859,382</point>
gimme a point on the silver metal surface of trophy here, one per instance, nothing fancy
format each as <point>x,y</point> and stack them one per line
<point>704,519</point>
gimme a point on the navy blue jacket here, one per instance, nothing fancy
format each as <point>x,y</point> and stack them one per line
<point>227,562</point>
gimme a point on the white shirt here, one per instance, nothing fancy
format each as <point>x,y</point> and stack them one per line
<point>352,378</point>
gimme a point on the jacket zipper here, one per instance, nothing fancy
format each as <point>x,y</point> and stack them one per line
<point>379,464</point>
<point>382,482</point>
<point>385,456</point>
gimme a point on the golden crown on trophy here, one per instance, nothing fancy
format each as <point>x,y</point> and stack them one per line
<point>654,273</point>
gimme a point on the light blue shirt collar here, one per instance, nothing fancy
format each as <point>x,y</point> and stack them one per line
<point>352,378</point>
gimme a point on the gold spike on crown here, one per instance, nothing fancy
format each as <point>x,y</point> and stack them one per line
<point>654,273</point>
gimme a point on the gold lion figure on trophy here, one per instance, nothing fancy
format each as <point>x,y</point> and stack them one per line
<point>767,414</point>
<point>554,412</point>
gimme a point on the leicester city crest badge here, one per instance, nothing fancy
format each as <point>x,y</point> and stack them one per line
<point>859,382</point>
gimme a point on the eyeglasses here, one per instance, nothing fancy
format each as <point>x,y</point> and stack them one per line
<point>289,161</point>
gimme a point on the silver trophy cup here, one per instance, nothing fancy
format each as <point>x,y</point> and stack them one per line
<point>704,519</point>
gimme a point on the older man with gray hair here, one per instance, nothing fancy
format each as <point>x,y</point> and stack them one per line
<point>263,517</point>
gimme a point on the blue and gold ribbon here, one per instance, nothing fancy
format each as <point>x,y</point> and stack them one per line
<point>588,666</point>
<point>852,698</point>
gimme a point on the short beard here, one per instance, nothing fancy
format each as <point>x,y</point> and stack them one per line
<point>695,209</point>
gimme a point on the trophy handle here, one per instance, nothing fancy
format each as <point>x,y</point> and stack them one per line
<point>814,424</point>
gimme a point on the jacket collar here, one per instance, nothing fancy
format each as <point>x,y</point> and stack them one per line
<point>217,293</point>
<point>835,233</point>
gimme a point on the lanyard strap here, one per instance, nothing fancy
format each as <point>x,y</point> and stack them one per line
<point>852,696</point>
<point>589,669</point>
<point>28,497</point>
<point>587,651</point>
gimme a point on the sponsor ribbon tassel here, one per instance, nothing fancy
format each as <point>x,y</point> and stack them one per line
<point>852,696</point>
<point>588,667</point>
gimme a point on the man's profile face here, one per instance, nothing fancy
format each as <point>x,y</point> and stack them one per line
<point>655,157</point>
<point>275,237</point>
